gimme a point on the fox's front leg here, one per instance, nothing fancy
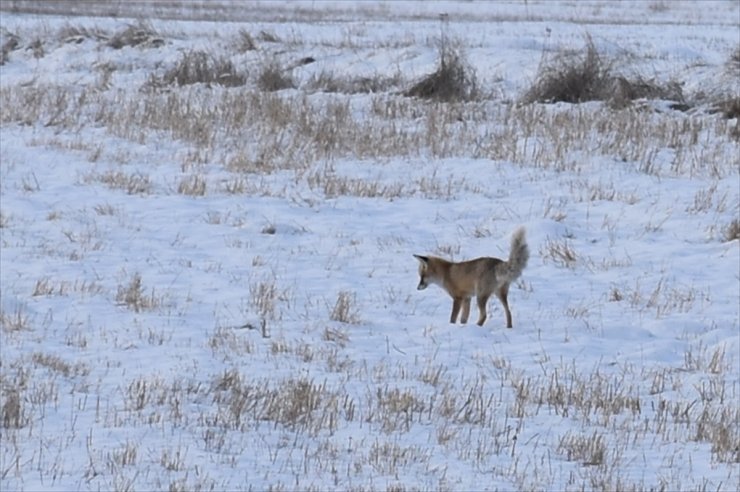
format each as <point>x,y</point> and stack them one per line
<point>456,302</point>
<point>465,310</point>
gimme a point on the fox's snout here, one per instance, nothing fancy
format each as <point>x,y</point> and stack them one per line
<point>422,285</point>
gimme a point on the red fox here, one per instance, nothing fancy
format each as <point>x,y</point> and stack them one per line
<point>480,277</point>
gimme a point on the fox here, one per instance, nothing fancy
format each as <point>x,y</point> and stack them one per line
<point>480,277</point>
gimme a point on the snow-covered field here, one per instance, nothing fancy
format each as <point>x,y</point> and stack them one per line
<point>211,286</point>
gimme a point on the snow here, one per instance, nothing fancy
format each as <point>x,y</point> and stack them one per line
<point>239,370</point>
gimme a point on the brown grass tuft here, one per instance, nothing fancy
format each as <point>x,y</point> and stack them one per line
<point>273,77</point>
<point>199,67</point>
<point>328,82</point>
<point>345,309</point>
<point>731,231</point>
<point>135,35</point>
<point>571,77</point>
<point>454,79</point>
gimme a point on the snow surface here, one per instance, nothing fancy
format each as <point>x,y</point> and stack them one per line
<point>645,318</point>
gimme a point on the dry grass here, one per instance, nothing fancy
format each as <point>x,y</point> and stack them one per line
<point>10,44</point>
<point>588,75</point>
<point>345,309</point>
<point>453,80</point>
<point>572,77</point>
<point>728,107</point>
<point>134,296</point>
<point>296,131</point>
<point>588,450</point>
<point>11,410</point>
<point>141,34</point>
<point>731,231</point>
<point>16,321</point>
<point>263,297</point>
<point>200,67</point>
<point>560,252</point>
<point>133,184</point>
<point>273,77</point>
<point>58,365</point>
<point>194,185</point>
<point>245,42</point>
<point>329,82</point>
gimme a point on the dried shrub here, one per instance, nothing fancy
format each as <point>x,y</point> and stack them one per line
<point>328,82</point>
<point>572,77</point>
<point>263,299</point>
<point>453,80</point>
<point>59,365</point>
<point>199,67</point>
<point>194,185</point>
<point>269,37</point>
<point>134,36</point>
<point>620,91</point>
<point>37,48</point>
<point>731,231</point>
<point>345,309</point>
<point>587,75</point>
<point>13,414</point>
<point>588,450</point>
<point>131,183</point>
<point>77,34</point>
<point>728,107</point>
<point>245,42</point>
<point>274,78</point>
<point>10,44</point>
<point>734,61</point>
<point>135,298</point>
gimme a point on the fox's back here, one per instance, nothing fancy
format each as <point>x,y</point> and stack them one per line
<point>473,277</point>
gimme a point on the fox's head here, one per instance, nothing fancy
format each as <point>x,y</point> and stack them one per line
<point>423,272</point>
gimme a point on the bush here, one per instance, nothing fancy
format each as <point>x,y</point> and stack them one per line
<point>588,76</point>
<point>134,36</point>
<point>729,108</point>
<point>328,82</point>
<point>199,67</point>
<point>273,78</point>
<point>245,42</point>
<point>572,77</point>
<point>454,79</point>
<point>8,45</point>
<point>731,231</point>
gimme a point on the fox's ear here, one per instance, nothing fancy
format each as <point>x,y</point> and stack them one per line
<point>422,259</point>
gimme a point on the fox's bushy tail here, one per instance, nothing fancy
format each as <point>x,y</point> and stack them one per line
<point>519,254</point>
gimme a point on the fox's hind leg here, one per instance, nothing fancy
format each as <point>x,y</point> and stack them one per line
<point>502,294</point>
<point>456,303</point>
<point>465,310</point>
<point>482,301</point>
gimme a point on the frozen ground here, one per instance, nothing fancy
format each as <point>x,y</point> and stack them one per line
<point>208,287</point>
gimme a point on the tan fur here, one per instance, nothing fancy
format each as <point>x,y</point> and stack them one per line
<point>481,277</point>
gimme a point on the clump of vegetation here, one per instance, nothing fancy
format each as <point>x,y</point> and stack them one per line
<point>245,42</point>
<point>728,107</point>
<point>12,411</point>
<point>328,82</point>
<point>199,67</point>
<point>345,309</point>
<point>587,75</point>
<point>453,80</point>
<point>9,45</point>
<point>735,58</point>
<point>572,77</point>
<point>731,232</point>
<point>273,77</point>
<point>135,35</point>
<point>134,296</point>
